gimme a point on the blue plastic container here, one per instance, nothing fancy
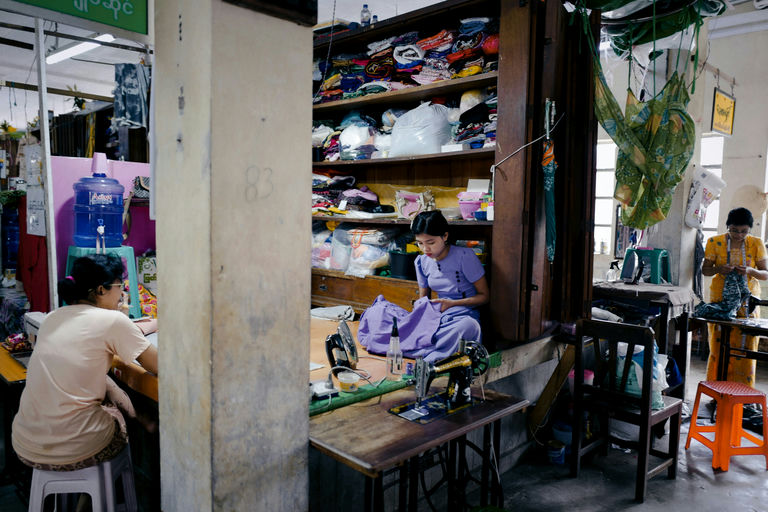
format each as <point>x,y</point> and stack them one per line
<point>10,236</point>
<point>98,201</point>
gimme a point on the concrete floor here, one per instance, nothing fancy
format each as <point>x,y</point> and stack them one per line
<point>607,483</point>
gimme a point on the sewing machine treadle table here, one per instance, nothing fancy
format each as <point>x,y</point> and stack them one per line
<point>748,326</point>
<point>388,441</point>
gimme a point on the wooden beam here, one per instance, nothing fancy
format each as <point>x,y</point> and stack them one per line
<point>556,381</point>
<point>60,92</point>
<point>517,359</point>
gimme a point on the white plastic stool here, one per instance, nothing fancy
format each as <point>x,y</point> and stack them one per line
<point>98,481</point>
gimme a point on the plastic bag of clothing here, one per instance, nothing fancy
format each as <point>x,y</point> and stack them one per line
<point>319,134</point>
<point>321,249</point>
<point>354,117</point>
<point>360,251</point>
<point>421,131</point>
<point>635,377</point>
<point>354,136</point>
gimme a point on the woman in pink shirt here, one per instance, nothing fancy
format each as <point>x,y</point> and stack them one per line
<point>67,419</point>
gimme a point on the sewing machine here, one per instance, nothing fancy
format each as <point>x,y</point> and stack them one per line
<point>753,302</point>
<point>469,361</point>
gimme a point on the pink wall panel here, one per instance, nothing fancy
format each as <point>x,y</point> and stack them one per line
<point>66,172</point>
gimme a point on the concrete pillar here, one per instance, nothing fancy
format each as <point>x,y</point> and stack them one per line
<point>232,176</point>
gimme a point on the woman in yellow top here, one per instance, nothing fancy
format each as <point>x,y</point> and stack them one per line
<point>734,251</point>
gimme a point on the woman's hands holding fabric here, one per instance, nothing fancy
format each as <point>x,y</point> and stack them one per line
<point>444,303</point>
<point>743,270</point>
<point>724,269</point>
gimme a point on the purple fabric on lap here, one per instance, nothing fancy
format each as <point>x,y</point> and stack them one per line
<point>416,328</point>
<point>423,332</point>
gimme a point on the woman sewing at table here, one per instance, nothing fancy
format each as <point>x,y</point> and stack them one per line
<point>64,422</point>
<point>735,251</point>
<point>436,325</point>
<point>456,276</point>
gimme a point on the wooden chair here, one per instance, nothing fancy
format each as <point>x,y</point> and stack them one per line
<point>609,398</point>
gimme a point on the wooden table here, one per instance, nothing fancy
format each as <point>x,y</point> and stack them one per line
<point>135,377</point>
<point>387,441</point>
<point>748,326</point>
<point>13,375</point>
<point>675,304</point>
<point>12,372</point>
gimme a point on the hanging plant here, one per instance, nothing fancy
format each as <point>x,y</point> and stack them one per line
<point>10,131</point>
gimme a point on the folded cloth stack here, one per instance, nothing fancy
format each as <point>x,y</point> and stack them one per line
<point>378,46</point>
<point>473,124</point>
<point>328,193</point>
<point>435,66</point>
<point>406,60</point>
<point>440,42</point>
<point>326,190</point>
<point>380,66</point>
<point>490,126</point>
<point>408,56</point>
<point>471,26</point>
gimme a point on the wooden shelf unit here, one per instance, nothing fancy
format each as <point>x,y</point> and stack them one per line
<point>411,94</point>
<point>334,288</point>
<point>397,221</point>
<point>539,57</point>
<point>452,155</point>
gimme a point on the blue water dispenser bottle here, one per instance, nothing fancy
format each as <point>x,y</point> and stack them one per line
<point>98,207</point>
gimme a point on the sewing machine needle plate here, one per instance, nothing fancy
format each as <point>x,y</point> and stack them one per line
<point>432,408</point>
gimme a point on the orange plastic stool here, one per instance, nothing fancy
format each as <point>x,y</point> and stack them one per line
<point>730,397</point>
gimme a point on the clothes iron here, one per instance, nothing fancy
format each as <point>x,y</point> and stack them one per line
<point>469,362</point>
<point>341,349</point>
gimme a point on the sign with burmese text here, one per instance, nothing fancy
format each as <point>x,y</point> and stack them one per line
<point>723,110</point>
<point>125,14</point>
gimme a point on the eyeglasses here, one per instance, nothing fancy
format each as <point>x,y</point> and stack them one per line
<point>738,231</point>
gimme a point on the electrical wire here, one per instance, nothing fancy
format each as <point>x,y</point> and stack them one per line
<point>494,166</point>
<point>372,357</point>
<point>495,464</point>
<point>327,55</point>
<point>360,373</point>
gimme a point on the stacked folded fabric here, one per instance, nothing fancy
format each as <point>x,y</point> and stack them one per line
<point>406,60</point>
<point>477,124</point>
<point>331,192</point>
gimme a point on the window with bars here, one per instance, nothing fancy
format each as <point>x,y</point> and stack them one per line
<point>712,160</point>
<point>605,182</point>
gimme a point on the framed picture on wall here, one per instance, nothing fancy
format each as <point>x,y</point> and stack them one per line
<point>723,110</point>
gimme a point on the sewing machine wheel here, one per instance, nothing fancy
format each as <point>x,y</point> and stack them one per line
<point>479,355</point>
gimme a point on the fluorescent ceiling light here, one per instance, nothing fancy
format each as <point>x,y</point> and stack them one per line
<point>66,52</point>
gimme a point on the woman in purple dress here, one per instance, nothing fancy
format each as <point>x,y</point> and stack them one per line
<point>456,276</point>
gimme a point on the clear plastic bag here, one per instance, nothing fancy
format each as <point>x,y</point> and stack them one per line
<point>360,251</point>
<point>321,249</point>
